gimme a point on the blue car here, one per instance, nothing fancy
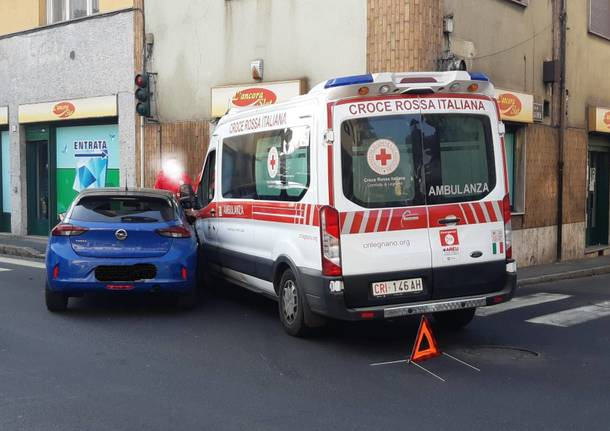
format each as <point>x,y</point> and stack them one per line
<point>114,240</point>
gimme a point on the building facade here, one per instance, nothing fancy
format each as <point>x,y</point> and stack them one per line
<point>67,112</point>
<point>547,59</point>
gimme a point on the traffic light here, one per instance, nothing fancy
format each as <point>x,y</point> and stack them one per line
<point>142,95</point>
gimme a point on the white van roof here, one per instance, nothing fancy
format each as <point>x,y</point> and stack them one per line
<point>388,83</point>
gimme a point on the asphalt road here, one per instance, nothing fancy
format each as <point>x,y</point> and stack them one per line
<point>140,364</point>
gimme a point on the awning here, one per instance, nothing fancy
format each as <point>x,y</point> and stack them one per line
<point>93,107</point>
<point>599,119</point>
<point>517,107</point>
<point>256,94</point>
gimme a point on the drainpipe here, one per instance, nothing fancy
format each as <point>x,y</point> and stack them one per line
<point>142,119</point>
<point>563,17</point>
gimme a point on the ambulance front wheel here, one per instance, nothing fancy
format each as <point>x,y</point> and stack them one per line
<point>291,305</point>
<point>455,319</point>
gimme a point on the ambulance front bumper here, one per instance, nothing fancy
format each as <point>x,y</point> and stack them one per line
<point>322,301</point>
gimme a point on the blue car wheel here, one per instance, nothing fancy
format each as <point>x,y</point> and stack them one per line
<point>55,301</point>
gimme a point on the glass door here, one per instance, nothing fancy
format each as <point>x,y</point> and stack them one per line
<point>597,198</point>
<point>38,187</point>
<point>5,183</point>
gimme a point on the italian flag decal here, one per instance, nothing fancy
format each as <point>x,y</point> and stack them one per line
<point>497,242</point>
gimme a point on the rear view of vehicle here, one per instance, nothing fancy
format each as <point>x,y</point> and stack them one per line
<point>421,209</point>
<point>121,241</point>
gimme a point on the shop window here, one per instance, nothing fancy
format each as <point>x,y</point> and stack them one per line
<point>63,10</point>
<point>515,166</point>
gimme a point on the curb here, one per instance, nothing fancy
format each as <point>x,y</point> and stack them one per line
<point>13,250</point>
<point>567,275</point>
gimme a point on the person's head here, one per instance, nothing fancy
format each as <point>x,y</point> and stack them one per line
<point>172,168</point>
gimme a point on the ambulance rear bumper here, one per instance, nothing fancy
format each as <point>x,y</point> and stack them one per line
<point>322,301</point>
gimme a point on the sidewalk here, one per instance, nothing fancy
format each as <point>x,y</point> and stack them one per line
<point>23,246</point>
<point>35,246</point>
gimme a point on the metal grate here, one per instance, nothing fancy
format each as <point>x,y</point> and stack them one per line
<point>144,271</point>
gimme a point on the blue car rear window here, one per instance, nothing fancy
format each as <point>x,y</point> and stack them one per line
<point>123,209</point>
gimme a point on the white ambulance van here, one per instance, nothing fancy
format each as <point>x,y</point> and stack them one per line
<point>371,197</point>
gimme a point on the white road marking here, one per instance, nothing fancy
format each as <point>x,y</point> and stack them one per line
<point>4,269</point>
<point>574,316</point>
<point>22,262</point>
<point>521,301</point>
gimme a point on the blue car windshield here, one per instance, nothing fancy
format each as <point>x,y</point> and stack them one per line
<point>123,209</point>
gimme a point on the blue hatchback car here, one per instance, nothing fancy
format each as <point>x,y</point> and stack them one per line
<point>114,240</point>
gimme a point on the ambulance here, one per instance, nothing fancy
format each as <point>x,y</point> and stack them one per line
<point>374,196</point>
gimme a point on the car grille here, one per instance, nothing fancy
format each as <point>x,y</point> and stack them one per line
<point>143,271</point>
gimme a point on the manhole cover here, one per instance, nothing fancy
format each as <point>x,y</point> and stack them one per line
<point>501,352</point>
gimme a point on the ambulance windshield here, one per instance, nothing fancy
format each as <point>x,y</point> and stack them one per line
<point>408,160</point>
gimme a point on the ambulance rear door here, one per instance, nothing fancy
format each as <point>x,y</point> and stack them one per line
<point>385,245</point>
<point>464,189</point>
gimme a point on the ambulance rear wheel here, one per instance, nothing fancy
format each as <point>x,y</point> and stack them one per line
<point>291,305</point>
<point>455,319</point>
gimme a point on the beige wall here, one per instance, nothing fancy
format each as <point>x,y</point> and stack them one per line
<point>110,5</point>
<point>18,15</point>
<point>202,44</point>
<point>507,41</point>
<point>588,63</point>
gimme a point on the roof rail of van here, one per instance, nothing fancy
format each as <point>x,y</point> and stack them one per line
<point>387,83</point>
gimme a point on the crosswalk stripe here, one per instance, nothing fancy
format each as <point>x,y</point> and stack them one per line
<point>521,301</point>
<point>574,316</point>
<point>22,262</point>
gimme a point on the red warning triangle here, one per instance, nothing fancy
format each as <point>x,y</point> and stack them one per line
<point>430,348</point>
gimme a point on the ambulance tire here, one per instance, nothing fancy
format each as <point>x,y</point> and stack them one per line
<point>291,306</point>
<point>455,319</point>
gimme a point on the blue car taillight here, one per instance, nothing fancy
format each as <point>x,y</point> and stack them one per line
<point>174,232</point>
<point>67,229</point>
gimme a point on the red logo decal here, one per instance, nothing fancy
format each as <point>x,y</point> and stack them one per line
<point>510,105</point>
<point>449,237</point>
<point>254,97</point>
<point>64,109</point>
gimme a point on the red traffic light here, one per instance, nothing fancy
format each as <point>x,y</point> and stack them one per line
<point>142,81</point>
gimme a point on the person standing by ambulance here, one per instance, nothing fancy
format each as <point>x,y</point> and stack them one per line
<point>172,176</point>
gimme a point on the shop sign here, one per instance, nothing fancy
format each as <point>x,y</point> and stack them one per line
<point>250,95</point>
<point>3,115</point>
<point>517,107</point>
<point>74,109</point>
<point>599,119</point>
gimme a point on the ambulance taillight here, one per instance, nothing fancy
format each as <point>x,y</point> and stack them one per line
<point>331,247</point>
<point>508,229</point>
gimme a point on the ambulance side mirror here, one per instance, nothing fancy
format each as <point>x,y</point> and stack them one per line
<point>188,199</point>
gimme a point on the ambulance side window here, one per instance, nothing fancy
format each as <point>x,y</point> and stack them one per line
<point>207,188</point>
<point>270,165</point>
<point>459,157</point>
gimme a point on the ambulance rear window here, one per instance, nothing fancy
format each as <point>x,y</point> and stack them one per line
<point>459,157</point>
<point>381,159</point>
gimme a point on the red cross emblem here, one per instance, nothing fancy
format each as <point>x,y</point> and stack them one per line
<point>383,157</point>
<point>272,162</point>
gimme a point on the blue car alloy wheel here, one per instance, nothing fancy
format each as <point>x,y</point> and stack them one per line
<point>113,240</point>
